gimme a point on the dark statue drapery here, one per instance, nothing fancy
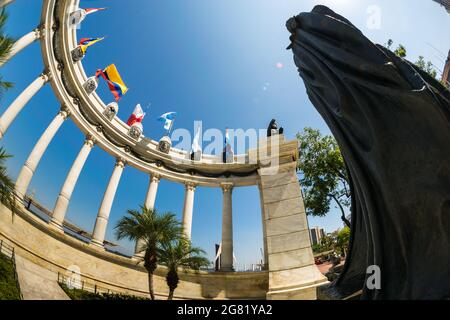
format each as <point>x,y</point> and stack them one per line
<point>392,123</point>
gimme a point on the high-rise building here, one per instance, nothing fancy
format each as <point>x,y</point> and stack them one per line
<point>444,3</point>
<point>446,72</point>
<point>316,235</point>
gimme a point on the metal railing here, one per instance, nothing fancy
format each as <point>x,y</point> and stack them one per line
<point>73,283</point>
<point>8,251</point>
<point>70,228</point>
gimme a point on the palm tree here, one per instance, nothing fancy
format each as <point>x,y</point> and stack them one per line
<point>6,44</point>
<point>179,253</point>
<point>152,229</point>
<point>6,184</point>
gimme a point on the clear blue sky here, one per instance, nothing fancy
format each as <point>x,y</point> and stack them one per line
<point>213,61</point>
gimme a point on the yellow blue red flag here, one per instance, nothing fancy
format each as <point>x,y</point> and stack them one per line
<point>114,81</point>
<point>87,42</point>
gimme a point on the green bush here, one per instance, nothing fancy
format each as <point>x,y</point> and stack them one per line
<point>78,294</point>
<point>8,286</point>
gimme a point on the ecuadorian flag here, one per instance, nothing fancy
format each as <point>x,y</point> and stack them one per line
<point>114,81</point>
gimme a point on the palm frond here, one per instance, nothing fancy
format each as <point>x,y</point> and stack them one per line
<point>180,253</point>
<point>6,44</point>
<point>6,183</point>
<point>149,226</point>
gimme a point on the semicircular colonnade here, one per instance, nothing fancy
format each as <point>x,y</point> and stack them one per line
<point>290,269</point>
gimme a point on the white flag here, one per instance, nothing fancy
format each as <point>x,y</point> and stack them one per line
<point>195,143</point>
<point>77,17</point>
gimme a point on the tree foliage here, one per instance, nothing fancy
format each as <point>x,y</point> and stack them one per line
<point>179,254</point>
<point>6,44</point>
<point>6,184</point>
<point>343,240</point>
<point>426,66</point>
<point>338,241</point>
<point>323,175</point>
<point>153,229</point>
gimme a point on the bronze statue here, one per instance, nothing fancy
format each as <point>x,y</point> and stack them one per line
<point>392,123</point>
<point>273,129</point>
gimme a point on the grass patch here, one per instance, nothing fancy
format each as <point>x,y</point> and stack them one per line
<point>78,294</point>
<point>8,286</point>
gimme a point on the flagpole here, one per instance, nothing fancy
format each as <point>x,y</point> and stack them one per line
<point>171,125</point>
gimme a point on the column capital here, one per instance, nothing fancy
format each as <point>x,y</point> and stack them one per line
<point>190,186</point>
<point>121,162</point>
<point>64,112</point>
<point>90,140</point>
<point>39,31</point>
<point>155,178</point>
<point>45,75</point>
<point>227,187</point>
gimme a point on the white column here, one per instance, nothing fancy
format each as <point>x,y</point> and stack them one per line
<point>151,192</point>
<point>22,43</point>
<point>226,260</point>
<point>149,204</point>
<point>188,209</point>
<point>98,236</point>
<point>13,110</point>
<point>5,2</point>
<point>62,203</point>
<point>26,174</point>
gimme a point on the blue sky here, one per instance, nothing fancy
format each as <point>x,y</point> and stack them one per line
<point>214,61</point>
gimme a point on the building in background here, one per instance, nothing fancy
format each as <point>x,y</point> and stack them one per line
<point>446,72</point>
<point>316,235</point>
<point>444,3</point>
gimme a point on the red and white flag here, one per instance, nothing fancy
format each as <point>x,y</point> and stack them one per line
<point>137,116</point>
<point>92,10</point>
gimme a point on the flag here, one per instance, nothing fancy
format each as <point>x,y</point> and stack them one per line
<point>137,115</point>
<point>168,119</point>
<point>195,144</point>
<point>93,10</point>
<point>115,83</point>
<point>79,15</point>
<point>227,142</point>
<point>87,42</point>
<point>227,137</point>
<point>227,151</point>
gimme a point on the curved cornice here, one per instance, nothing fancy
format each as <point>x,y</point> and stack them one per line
<point>67,79</point>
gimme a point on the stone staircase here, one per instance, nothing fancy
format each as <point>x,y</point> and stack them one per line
<point>37,283</point>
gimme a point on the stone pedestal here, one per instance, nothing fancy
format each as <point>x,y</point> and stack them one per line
<point>292,271</point>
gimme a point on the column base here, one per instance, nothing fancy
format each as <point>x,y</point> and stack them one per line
<point>226,269</point>
<point>97,245</point>
<point>137,257</point>
<point>295,284</point>
<point>55,225</point>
